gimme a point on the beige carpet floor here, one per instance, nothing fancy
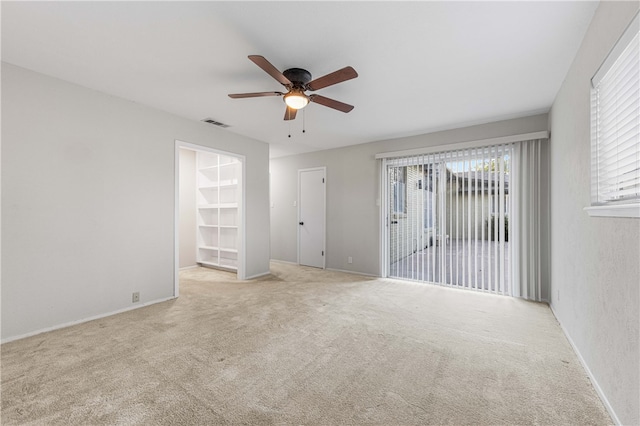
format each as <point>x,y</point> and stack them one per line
<point>304,346</point>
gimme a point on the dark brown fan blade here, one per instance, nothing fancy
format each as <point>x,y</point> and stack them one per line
<point>346,73</point>
<point>270,69</point>
<point>290,113</point>
<point>254,95</point>
<point>331,103</point>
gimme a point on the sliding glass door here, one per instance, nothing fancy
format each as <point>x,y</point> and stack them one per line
<point>447,218</point>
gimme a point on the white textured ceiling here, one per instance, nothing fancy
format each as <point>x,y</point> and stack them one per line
<point>423,66</point>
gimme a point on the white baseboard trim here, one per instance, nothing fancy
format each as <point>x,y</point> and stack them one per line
<point>329,269</point>
<point>283,261</point>
<point>186,268</point>
<point>594,382</point>
<point>353,272</point>
<point>92,318</point>
<point>262,274</point>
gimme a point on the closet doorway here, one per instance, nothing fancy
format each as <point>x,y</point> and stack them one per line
<point>210,220</point>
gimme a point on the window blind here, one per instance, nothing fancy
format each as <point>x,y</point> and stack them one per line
<point>615,110</point>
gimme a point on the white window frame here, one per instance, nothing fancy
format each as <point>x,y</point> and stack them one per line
<point>628,207</point>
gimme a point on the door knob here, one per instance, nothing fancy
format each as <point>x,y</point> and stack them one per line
<point>301,223</point>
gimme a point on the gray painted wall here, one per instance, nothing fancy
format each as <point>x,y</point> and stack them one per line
<point>187,196</point>
<point>353,216</point>
<point>88,194</point>
<point>595,272</point>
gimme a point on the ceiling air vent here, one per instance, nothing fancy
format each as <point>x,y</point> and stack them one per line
<point>215,123</point>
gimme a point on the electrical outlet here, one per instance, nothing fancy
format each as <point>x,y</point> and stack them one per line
<point>349,259</point>
<point>135,297</point>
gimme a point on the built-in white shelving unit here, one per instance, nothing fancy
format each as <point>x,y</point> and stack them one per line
<point>218,197</point>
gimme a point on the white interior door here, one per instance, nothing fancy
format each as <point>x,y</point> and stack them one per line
<point>311,217</point>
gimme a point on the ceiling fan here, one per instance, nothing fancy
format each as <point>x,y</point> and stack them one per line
<point>298,81</point>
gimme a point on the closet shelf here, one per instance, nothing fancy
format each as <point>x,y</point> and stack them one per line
<point>223,184</point>
<point>224,249</point>
<point>233,163</point>
<point>219,206</point>
<point>229,263</point>
<point>218,183</point>
<point>216,166</point>
<point>207,168</point>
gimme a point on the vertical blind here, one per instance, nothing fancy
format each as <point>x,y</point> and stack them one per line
<point>453,227</point>
<point>615,110</point>
<point>530,208</point>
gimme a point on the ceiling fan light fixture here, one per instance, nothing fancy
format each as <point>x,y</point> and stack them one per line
<point>296,100</point>
<point>297,81</point>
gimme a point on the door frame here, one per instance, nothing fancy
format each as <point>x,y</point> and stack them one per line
<point>383,203</point>
<point>324,216</point>
<point>176,224</point>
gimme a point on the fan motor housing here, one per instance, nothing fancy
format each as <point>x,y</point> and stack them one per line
<point>297,75</point>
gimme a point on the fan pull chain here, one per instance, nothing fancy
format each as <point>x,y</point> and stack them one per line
<point>289,114</point>
<point>303,121</point>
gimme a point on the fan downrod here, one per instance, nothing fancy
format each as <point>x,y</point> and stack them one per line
<point>297,76</point>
